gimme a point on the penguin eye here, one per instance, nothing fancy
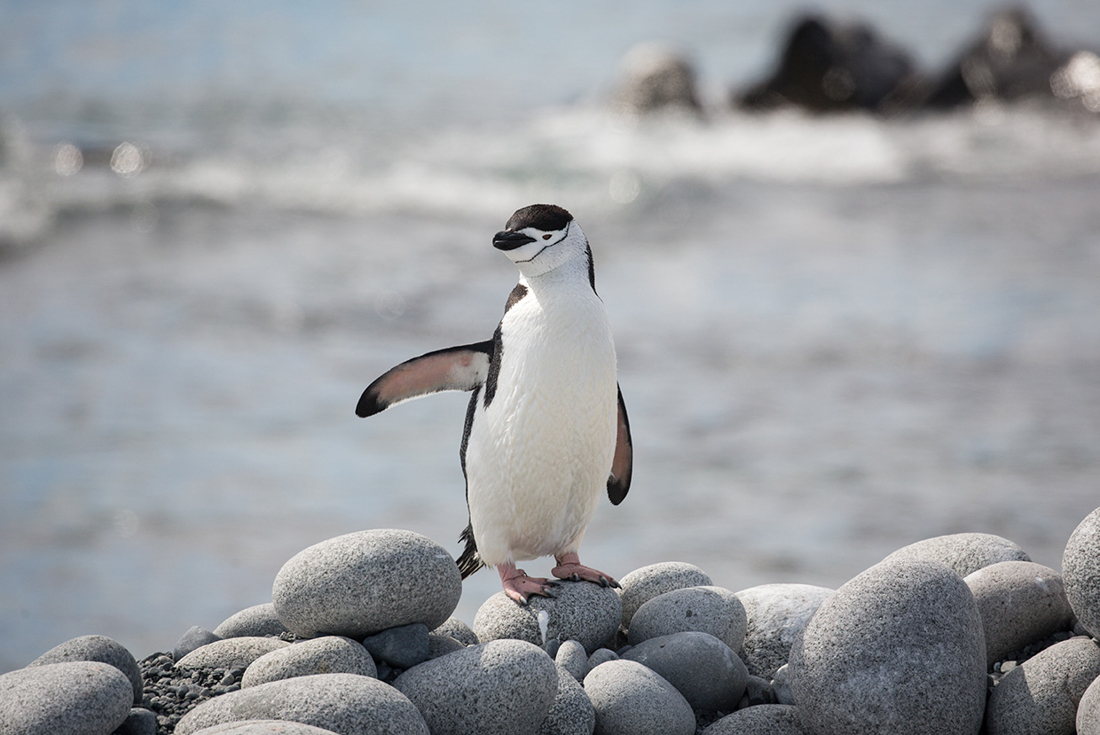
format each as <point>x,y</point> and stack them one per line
<point>546,236</point>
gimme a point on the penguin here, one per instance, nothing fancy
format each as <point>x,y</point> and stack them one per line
<point>546,429</point>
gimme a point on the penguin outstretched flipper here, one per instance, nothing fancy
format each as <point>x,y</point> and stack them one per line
<point>455,368</point>
<point>622,465</point>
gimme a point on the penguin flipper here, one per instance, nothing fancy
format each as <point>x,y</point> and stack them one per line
<point>622,464</point>
<point>454,368</point>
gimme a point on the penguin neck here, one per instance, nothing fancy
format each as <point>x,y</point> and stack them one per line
<point>568,277</point>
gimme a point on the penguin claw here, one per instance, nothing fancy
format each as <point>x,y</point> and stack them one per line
<point>570,567</point>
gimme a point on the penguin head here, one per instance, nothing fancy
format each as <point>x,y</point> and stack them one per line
<point>540,238</point>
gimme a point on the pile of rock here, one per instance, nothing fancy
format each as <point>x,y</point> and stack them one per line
<point>951,634</point>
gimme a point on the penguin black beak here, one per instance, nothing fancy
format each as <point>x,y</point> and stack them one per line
<point>506,240</point>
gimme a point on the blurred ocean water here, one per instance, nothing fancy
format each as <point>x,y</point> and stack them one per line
<point>221,221</point>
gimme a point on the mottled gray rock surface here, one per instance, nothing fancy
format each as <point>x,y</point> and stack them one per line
<point>572,712</point>
<point>96,648</point>
<point>767,719</point>
<point>362,583</point>
<point>965,553</point>
<point>258,620</point>
<point>702,668</point>
<point>572,657</point>
<point>708,609</point>
<point>1041,694</point>
<point>326,655</point>
<point>1088,710</point>
<point>230,653</point>
<point>195,638</point>
<point>581,611</point>
<point>494,688</point>
<point>775,615</point>
<point>1081,572</point>
<point>402,647</point>
<point>458,630</point>
<point>642,585</point>
<point>70,698</point>
<point>1021,602</point>
<point>264,727</point>
<point>897,649</point>
<point>631,699</point>
<point>344,703</point>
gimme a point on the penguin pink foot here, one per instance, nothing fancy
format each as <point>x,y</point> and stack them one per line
<point>570,567</point>
<point>519,586</point>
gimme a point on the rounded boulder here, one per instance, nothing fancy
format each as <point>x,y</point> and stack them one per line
<point>632,699</point>
<point>642,585</point>
<point>363,583</point>
<point>898,649</point>
<point>709,609</point>
<point>571,713</point>
<point>776,615</point>
<point>580,611</point>
<point>96,648</point>
<point>231,653</point>
<point>1021,602</point>
<point>326,655</point>
<point>492,688</point>
<point>764,719</point>
<point>69,698</point>
<point>1088,710</point>
<point>1081,572</point>
<point>258,620</point>
<point>1042,693</point>
<point>264,727</point>
<point>965,553</point>
<point>702,668</point>
<point>343,703</point>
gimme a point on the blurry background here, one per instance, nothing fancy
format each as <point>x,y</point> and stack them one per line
<point>837,333</point>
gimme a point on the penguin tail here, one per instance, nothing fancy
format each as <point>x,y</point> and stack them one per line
<point>469,561</point>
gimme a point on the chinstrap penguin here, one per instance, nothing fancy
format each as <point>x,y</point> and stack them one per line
<point>546,429</point>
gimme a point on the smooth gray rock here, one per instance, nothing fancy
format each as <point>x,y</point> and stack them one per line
<point>1081,572</point>
<point>441,645</point>
<point>362,583</point>
<point>402,647</point>
<point>1041,694</point>
<point>572,657</point>
<point>70,698</point>
<point>572,712</point>
<point>326,655</point>
<point>581,611</point>
<point>757,691</point>
<point>965,553</point>
<point>264,727</point>
<point>642,585</point>
<point>765,719</point>
<point>632,699</point>
<point>702,668</point>
<point>258,620</point>
<point>458,630</point>
<point>96,648</point>
<point>781,685</point>
<point>1021,602</point>
<point>600,656</point>
<point>195,638</point>
<point>1088,710</point>
<point>709,609</point>
<point>776,615</point>
<point>230,653</point>
<point>344,703</point>
<point>499,687</point>
<point>898,649</point>
<point>140,721</point>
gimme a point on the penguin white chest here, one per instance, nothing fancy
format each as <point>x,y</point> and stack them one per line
<point>540,452</point>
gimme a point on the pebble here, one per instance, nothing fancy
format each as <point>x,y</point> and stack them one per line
<point>96,648</point>
<point>900,645</point>
<point>343,703</point>
<point>458,630</point>
<point>708,609</point>
<point>600,656</point>
<point>580,611</point>
<point>767,719</point>
<point>196,637</point>
<point>965,553</point>
<point>776,615</point>
<point>363,583</point>
<point>68,698</point>
<point>1041,694</point>
<point>642,585</point>
<point>402,647</point>
<point>258,620</point>
<point>498,687</point>
<point>1081,572</point>
<point>230,653</point>
<point>264,727</point>
<point>572,657</point>
<point>1020,602</point>
<point>781,685</point>
<point>572,712</point>
<point>326,655</point>
<point>1088,710</point>
<point>632,699</point>
<point>140,721</point>
<point>702,668</point>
